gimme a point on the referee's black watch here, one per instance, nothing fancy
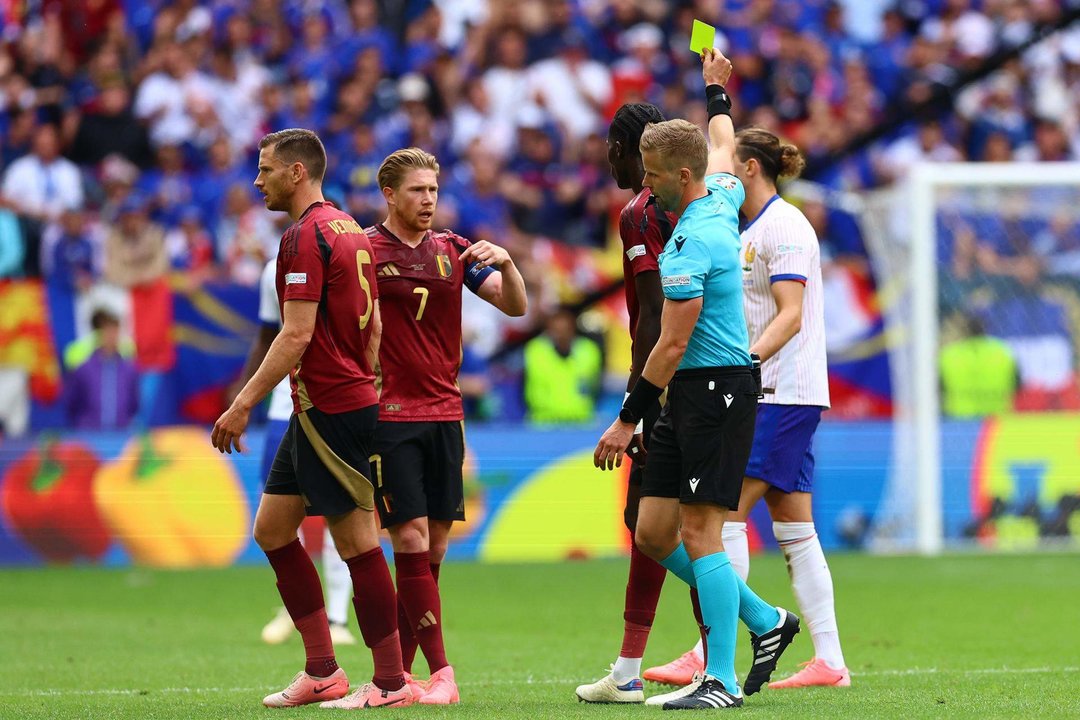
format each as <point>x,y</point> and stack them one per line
<point>626,415</point>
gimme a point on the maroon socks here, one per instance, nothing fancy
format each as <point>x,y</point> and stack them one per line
<point>420,609</point>
<point>376,611</point>
<point>300,589</point>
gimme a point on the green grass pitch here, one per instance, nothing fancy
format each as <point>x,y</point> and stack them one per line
<point>970,636</point>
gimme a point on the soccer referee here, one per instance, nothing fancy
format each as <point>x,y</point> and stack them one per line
<point>701,443</point>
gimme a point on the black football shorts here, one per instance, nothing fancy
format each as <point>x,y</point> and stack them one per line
<point>417,471</point>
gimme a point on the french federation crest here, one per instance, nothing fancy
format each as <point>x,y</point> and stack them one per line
<point>442,262</point>
<point>748,258</point>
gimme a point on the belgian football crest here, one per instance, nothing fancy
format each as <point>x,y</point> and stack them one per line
<point>442,262</point>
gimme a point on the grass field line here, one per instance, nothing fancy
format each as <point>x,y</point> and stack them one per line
<point>527,681</point>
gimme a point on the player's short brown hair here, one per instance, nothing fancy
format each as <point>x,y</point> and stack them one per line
<point>398,163</point>
<point>680,143</point>
<point>298,145</point>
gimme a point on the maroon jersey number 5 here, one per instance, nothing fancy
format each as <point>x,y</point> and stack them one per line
<point>326,257</point>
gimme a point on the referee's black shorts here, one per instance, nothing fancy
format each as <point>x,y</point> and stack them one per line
<point>701,443</point>
<point>323,458</point>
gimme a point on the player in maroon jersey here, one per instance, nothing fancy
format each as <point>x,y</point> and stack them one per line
<point>328,343</point>
<point>643,230</point>
<point>420,442</point>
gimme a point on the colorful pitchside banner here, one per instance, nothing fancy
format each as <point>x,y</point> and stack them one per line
<point>167,499</point>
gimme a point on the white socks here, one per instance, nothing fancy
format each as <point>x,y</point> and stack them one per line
<point>812,583</point>
<point>339,589</point>
<point>626,669</point>
<point>737,548</point>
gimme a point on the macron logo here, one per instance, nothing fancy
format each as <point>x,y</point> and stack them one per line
<point>693,484</point>
<point>729,399</point>
<point>296,278</point>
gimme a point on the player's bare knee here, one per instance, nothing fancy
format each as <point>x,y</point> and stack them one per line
<point>410,536</point>
<point>699,541</point>
<point>268,537</point>
<point>654,542</point>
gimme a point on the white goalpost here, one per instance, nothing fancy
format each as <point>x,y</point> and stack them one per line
<point>919,425</point>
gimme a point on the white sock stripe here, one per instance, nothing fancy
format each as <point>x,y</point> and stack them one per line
<point>796,541</point>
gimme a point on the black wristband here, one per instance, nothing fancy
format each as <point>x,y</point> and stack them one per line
<point>641,398</point>
<point>718,102</point>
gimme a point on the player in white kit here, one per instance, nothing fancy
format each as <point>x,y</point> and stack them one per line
<point>339,588</point>
<point>782,300</point>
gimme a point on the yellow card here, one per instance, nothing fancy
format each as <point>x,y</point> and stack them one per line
<point>701,36</point>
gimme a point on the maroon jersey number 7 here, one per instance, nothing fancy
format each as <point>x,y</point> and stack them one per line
<point>420,354</point>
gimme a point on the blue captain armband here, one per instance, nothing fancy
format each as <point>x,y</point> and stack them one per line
<point>476,274</point>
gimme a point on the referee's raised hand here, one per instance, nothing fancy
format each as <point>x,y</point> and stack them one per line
<point>715,68</point>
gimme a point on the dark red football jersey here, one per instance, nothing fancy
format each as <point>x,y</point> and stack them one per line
<point>326,257</point>
<point>644,231</point>
<point>420,354</point>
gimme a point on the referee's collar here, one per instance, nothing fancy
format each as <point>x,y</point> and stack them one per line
<point>761,212</point>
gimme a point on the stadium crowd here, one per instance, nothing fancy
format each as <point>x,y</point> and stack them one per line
<point>128,130</point>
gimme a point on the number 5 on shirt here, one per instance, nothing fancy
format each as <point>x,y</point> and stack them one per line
<point>363,257</point>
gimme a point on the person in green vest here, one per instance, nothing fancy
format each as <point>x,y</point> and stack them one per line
<point>978,374</point>
<point>562,373</point>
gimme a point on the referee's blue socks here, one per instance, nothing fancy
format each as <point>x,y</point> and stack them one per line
<point>679,563</point>
<point>760,617</point>
<point>719,594</point>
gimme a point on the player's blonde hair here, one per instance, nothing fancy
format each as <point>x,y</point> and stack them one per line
<point>398,164</point>
<point>680,144</point>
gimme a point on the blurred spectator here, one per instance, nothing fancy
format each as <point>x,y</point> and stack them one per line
<point>474,118</point>
<point>978,373</point>
<point>246,236</point>
<point>168,185</point>
<point>219,174</point>
<point>483,212</point>
<point>475,383</point>
<point>11,245</point>
<point>355,175</point>
<point>135,247</point>
<point>40,186</point>
<point>562,373</point>
<point>176,101</point>
<point>101,384</point>
<point>189,245</point>
<point>107,127</point>
<point>14,401</point>
<point>928,144</point>
<point>73,252</point>
<point>572,87</point>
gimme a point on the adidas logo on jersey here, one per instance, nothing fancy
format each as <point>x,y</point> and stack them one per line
<point>388,270</point>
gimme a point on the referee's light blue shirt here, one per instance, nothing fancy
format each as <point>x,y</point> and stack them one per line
<point>701,259</point>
